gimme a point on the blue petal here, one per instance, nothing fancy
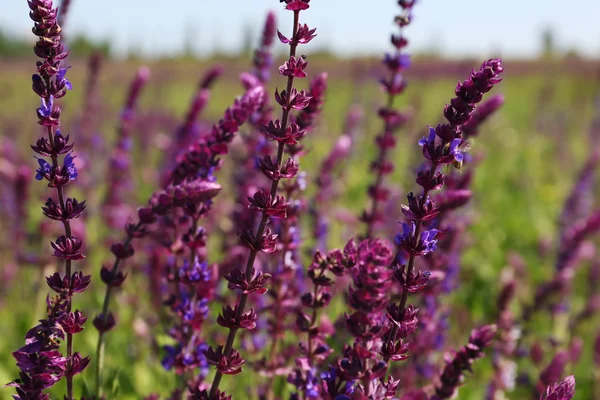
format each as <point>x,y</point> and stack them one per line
<point>431,134</point>
<point>453,144</point>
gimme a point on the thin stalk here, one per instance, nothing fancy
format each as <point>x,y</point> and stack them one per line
<point>383,151</point>
<point>107,295</point>
<point>263,222</point>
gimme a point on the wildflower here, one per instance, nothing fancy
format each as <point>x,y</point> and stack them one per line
<point>565,390</point>
<point>452,375</point>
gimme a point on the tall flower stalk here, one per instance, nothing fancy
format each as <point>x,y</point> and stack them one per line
<point>443,146</point>
<point>41,363</point>
<point>226,359</point>
<point>392,120</point>
<point>115,206</point>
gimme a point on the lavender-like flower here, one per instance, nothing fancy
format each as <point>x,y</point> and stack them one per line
<point>41,363</point>
<point>564,390</point>
<point>314,352</point>
<point>115,205</point>
<point>191,129</point>
<point>576,224</point>
<point>452,376</point>
<point>553,371</point>
<point>392,119</point>
<point>444,145</point>
<point>263,59</point>
<point>268,203</point>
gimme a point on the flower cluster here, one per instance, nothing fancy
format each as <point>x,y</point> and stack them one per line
<point>41,363</point>
<point>452,376</point>
<point>313,353</point>
<point>339,328</point>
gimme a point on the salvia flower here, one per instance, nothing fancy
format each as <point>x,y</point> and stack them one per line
<point>452,376</point>
<point>268,203</point>
<point>564,390</point>
<point>41,363</point>
<point>392,120</point>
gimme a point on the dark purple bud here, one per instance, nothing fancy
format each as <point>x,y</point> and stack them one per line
<point>78,282</point>
<point>211,76</point>
<point>67,248</point>
<point>112,279</point>
<point>122,250</point>
<point>227,365</point>
<point>395,351</point>
<point>78,364</point>
<point>73,322</point>
<point>263,202</point>
<point>565,390</point>
<point>294,67</point>
<point>146,215</point>
<point>435,183</point>
<point>303,322</point>
<point>227,318</point>
<point>38,86</point>
<point>102,325</point>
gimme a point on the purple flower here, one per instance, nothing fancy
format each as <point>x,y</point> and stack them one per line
<point>453,376</point>
<point>45,109</point>
<point>429,140</point>
<point>69,166</point>
<point>397,61</point>
<point>294,67</point>
<point>61,80</point>
<point>407,240</point>
<point>44,170</point>
<point>455,151</point>
<point>565,390</point>
<point>195,272</point>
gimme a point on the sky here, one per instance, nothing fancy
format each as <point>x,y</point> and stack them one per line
<point>508,28</point>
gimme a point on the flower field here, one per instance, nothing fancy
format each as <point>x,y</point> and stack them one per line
<point>283,226</point>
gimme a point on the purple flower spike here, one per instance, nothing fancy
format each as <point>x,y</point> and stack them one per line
<point>40,362</point>
<point>565,390</point>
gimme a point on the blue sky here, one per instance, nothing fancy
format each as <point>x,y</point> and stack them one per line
<point>453,27</point>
